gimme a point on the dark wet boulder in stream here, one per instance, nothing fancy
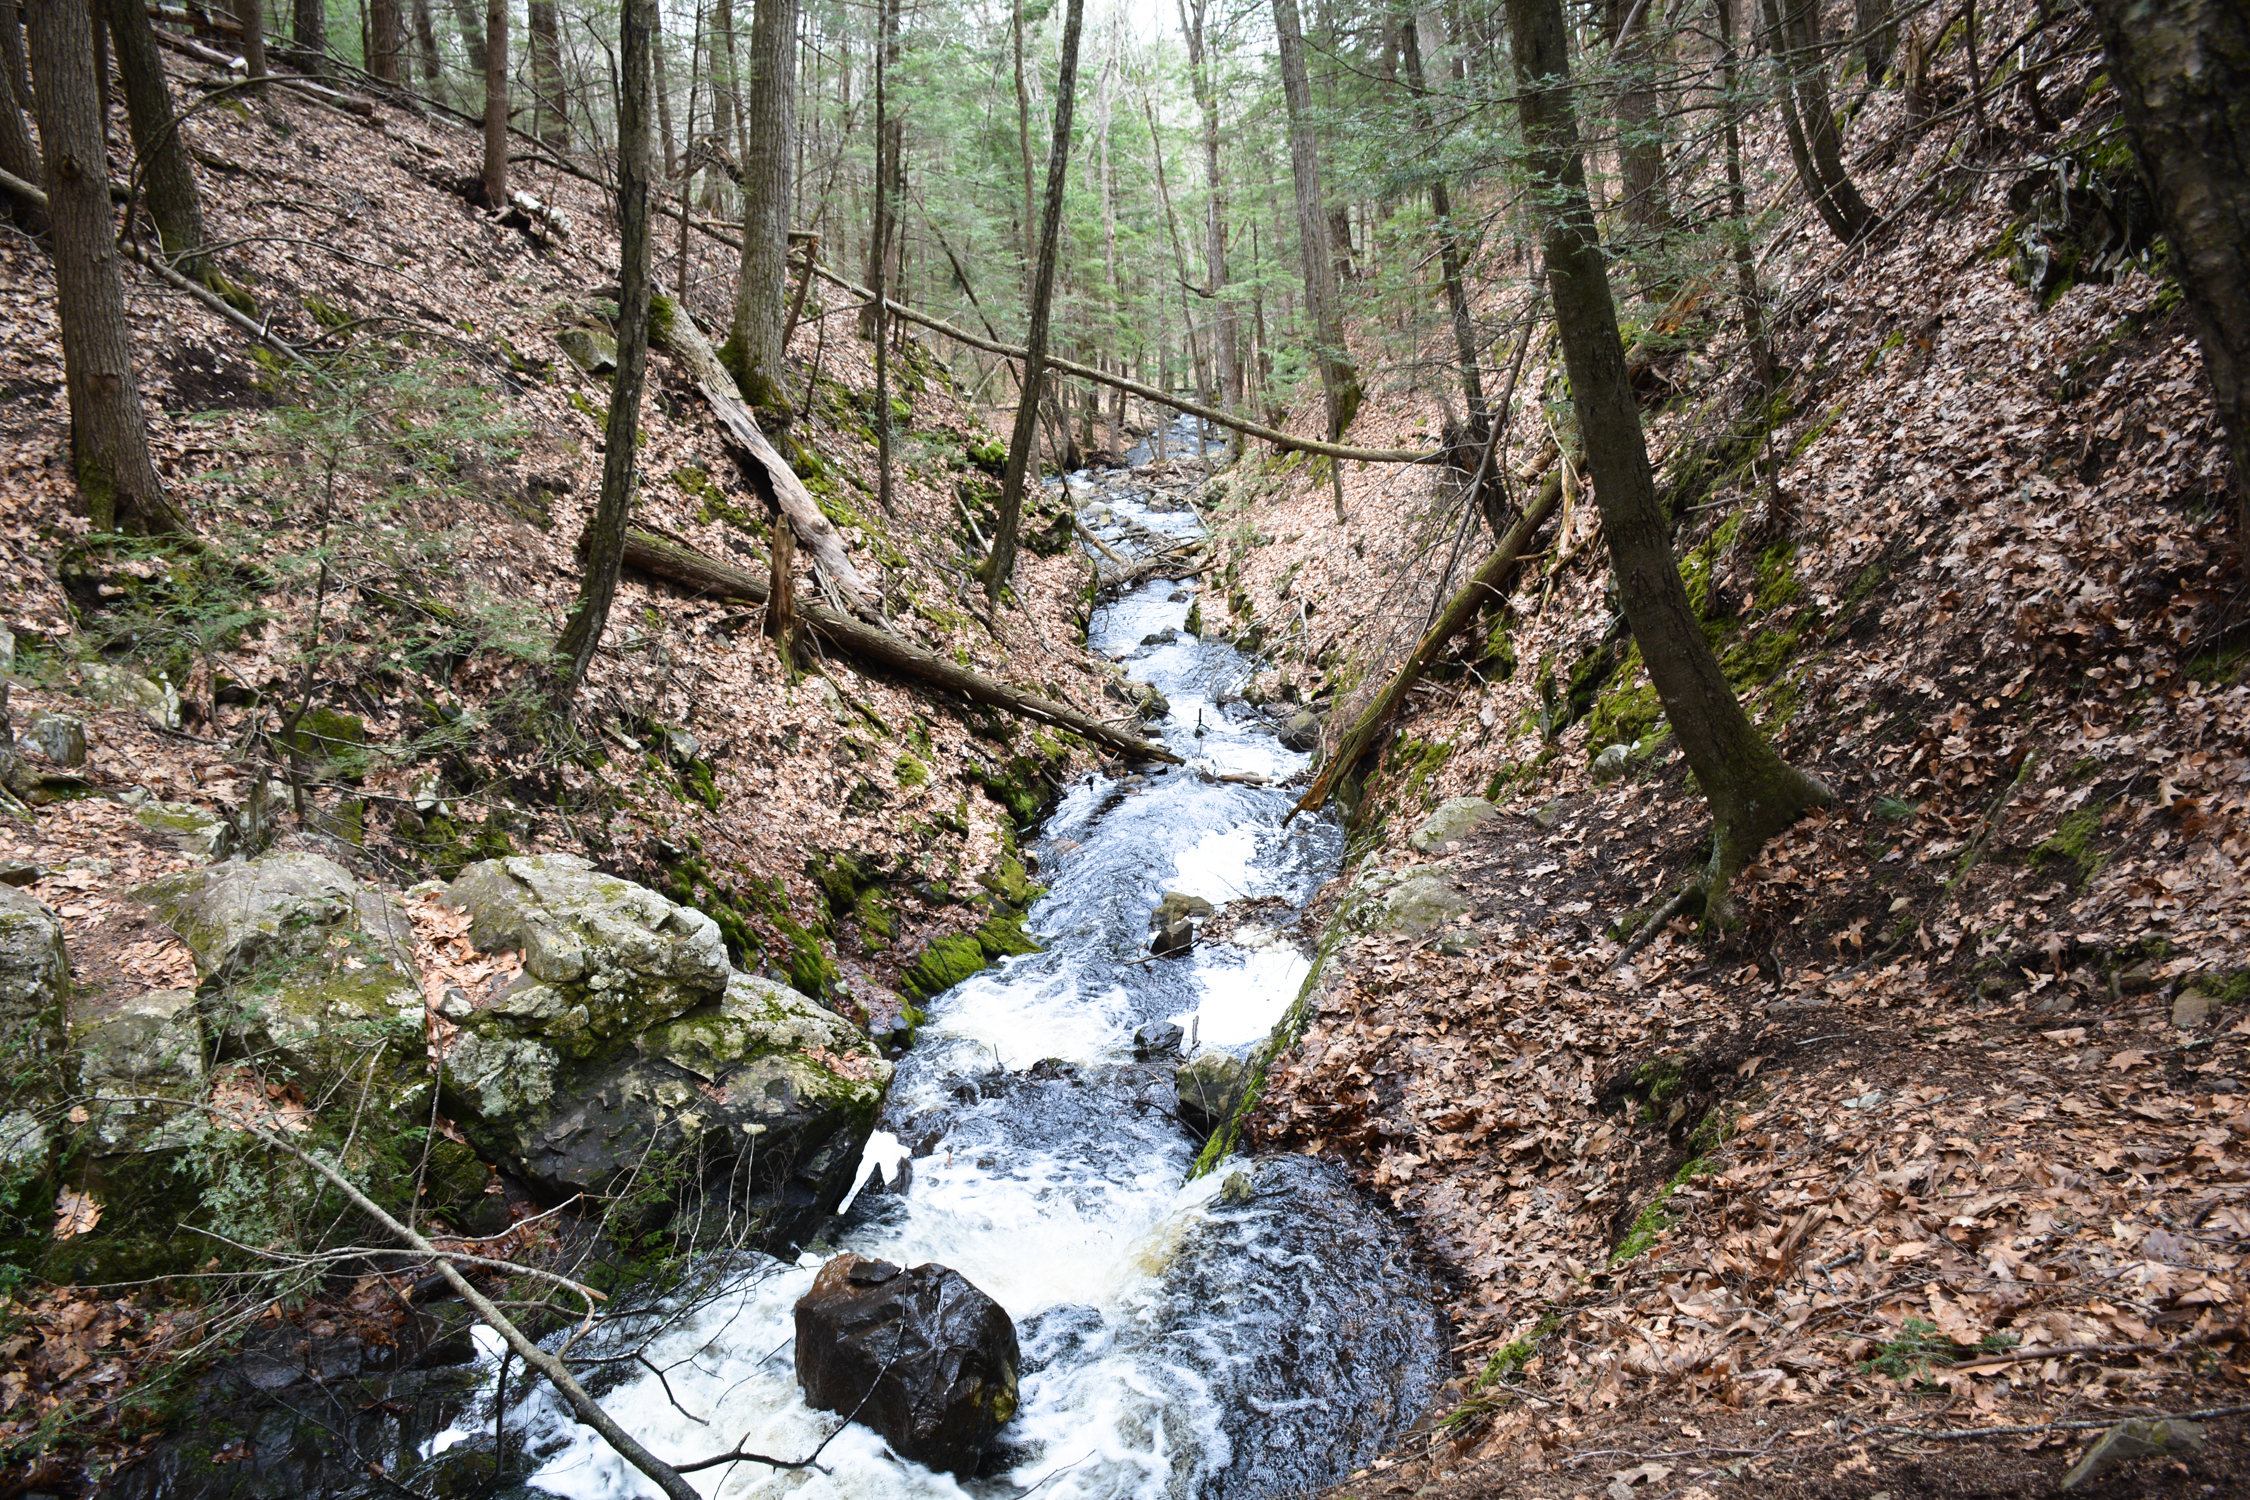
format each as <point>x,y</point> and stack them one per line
<point>921,1357</point>
<point>1301,732</point>
<point>1172,925</point>
<point>1210,1087</point>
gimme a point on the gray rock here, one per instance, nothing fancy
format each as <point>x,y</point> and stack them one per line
<point>303,966</point>
<point>2141,1438</point>
<point>1172,924</point>
<point>1210,1086</point>
<point>1612,763</point>
<point>1453,820</point>
<point>1411,902</point>
<point>1547,815</point>
<point>149,1047</point>
<point>922,1357</point>
<point>1302,732</point>
<point>1157,1039</point>
<point>59,739</point>
<point>159,702</point>
<point>7,649</point>
<point>34,989</point>
<point>2191,1010</point>
<point>590,349</point>
<point>629,1046</point>
<point>203,834</point>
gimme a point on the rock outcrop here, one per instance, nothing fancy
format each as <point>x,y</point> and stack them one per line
<point>1410,902</point>
<point>304,968</point>
<point>34,987</point>
<point>921,1356</point>
<point>1452,821</point>
<point>629,1051</point>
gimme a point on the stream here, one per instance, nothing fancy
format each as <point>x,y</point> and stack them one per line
<point>1259,1331</point>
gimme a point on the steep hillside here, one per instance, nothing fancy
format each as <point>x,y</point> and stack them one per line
<point>1950,1132</point>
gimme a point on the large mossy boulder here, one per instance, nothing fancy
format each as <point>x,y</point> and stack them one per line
<point>1409,902</point>
<point>149,1048</point>
<point>1452,822</point>
<point>630,1059</point>
<point>34,988</point>
<point>306,973</point>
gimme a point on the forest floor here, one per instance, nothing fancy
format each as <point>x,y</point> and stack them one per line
<point>1938,1165</point>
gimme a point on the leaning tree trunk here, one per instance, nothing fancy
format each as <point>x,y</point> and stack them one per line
<point>1753,793</point>
<point>19,154</point>
<point>158,143</point>
<point>1815,145</point>
<point>108,429</point>
<point>753,350</point>
<point>495,59</point>
<point>605,534</point>
<point>1339,379</point>
<point>2183,69</point>
<point>1002,562</point>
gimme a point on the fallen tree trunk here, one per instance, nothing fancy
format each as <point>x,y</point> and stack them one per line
<point>1492,580</point>
<point>189,48</point>
<point>1146,392</point>
<point>717,580</point>
<point>815,533</point>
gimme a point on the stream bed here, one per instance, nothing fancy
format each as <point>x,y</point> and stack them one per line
<point>1258,1331</point>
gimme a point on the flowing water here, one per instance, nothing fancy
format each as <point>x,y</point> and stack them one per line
<point>1180,1339</point>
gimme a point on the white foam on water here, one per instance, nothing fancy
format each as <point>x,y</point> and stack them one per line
<point>882,1153</point>
<point>1025,1010</point>
<point>1228,864</point>
<point>1243,992</point>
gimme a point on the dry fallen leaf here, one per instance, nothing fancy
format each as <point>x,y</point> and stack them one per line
<point>76,1213</point>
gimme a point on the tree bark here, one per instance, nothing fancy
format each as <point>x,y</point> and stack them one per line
<point>1002,562</point>
<point>879,252</point>
<point>426,49</point>
<point>1226,336</point>
<point>19,154</point>
<point>385,40</point>
<point>471,22</point>
<point>1878,36</point>
<point>1025,237</point>
<point>1640,117</point>
<point>1814,143</point>
<point>2183,69</point>
<point>108,428</point>
<point>1449,244</point>
<point>253,18</point>
<point>1753,793</point>
<point>717,580</point>
<point>308,33</point>
<point>666,134</point>
<point>1339,379</point>
<point>605,534</point>
<point>158,141</point>
<point>550,122</point>
<point>1739,228</point>
<point>495,51</point>
<point>753,350</point>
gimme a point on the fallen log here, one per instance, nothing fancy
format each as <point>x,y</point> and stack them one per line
<point>350,104</point>
<point>815,533</point>
<point>1279,439</point>
<point>713,579</point>
<point>1492,580</point>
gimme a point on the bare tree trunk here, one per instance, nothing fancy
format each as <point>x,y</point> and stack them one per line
<point>2183,70</point>
<point>1449,245</point>
<point>1753,793</point>
<point>108,428</point>
<point>19,154</point>
<point>1640,117</point>
<point>158,141</point>
<point>308,33</point>
<point>1002,562</point>
<point>1878,36</point>
<point>426,49</point>
<point>252,14</point>
<point>605,534</point>
<point>1023,148</point>
<point>385,39</point>
<point>470,20</point>
<point>1339,379</point>
<point>664,122</point>
<point>753,350</point>
<point>1225,334</point>
<point>878,251</point>
<point>550,121</point>
<point>495,51</point>
<point>1814,144</point>
<point>1738,210</point>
